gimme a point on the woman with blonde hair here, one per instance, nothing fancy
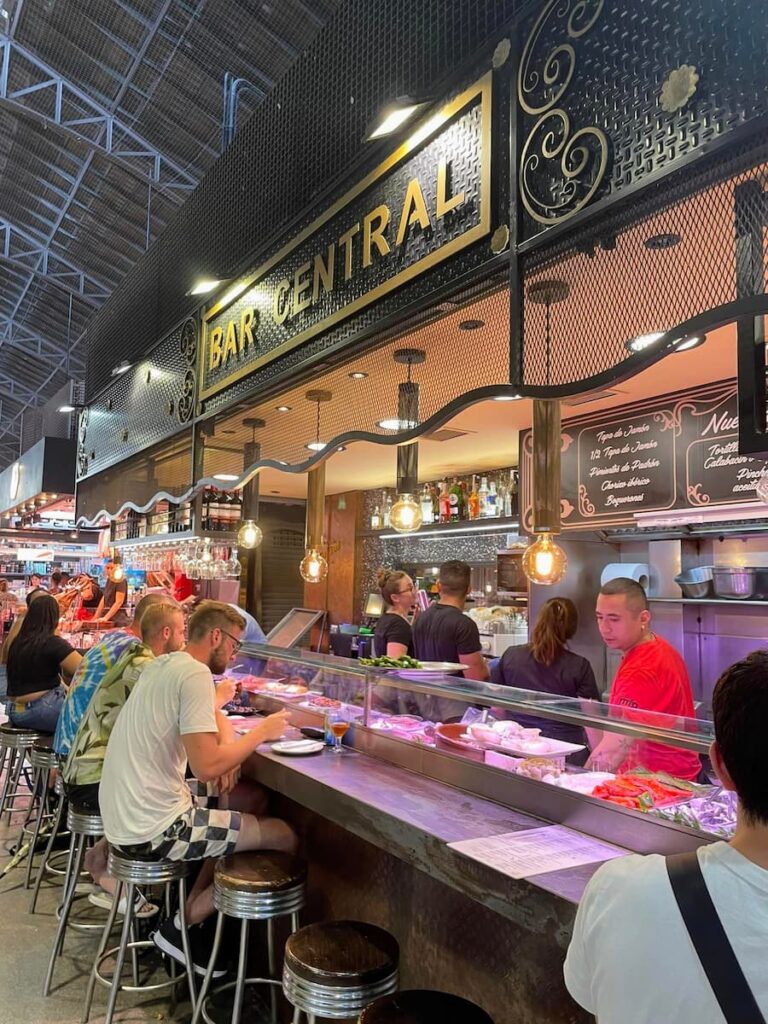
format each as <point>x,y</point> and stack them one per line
<point>547,665</point>
<point>392,636</point>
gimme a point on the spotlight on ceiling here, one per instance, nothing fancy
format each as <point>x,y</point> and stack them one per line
<point>471,325</point>
<point>507,398</point>
<point>686,344</point>
<point>395,424</point>
<point>283,408</point>
<point>67,408</point>
<point>121,368</point>
<point>204,285</point>
<point>357,375</point>
<point>226,477</point>
<point>666,240</point>
<point>392,117</point>
<point>644,341</point>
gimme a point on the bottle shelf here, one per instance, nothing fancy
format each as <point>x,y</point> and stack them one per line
<point>501,524</point>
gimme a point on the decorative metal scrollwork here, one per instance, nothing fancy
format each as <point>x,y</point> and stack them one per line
<point>186,400</point>
<point>583,155</point>
<point>188,342</point>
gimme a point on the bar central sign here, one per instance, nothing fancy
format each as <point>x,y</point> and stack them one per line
<point>427,201</point>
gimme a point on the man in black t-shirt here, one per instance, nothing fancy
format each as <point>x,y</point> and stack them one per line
<point>112,609</point>
<point>443,632</point>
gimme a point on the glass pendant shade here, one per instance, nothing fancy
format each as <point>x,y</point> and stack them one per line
<point>118,573</point>
<point>406,514</point>
<point>249,535</point>
<point>313,567</point>
<point>544,562</point>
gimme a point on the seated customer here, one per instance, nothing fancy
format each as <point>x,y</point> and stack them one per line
<point>36,662</point>
<point>96,662</point>
<point>547,666</point>
<point>171,721</point>
<point>162,632</point>
<point>631,958</point>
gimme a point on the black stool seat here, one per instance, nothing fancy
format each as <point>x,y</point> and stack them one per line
<point>264,871</point>
<point>44,742</point>
<point>342,953</point>
<point>15,730</point>
<point>422,1007</point>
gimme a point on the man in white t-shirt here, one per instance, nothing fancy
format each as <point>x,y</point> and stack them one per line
<point>631,959</point>
<point>170,721</point>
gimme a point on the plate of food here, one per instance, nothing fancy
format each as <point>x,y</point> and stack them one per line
<point>512,738</point>
<point>411,668</point>
<point>283,688</point>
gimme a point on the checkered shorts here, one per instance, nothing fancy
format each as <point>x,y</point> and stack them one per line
<point>202,831</point>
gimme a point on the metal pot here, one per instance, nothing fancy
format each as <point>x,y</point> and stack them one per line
<point>735,583</point>
<point>761,583</point>
<point>695,583</point>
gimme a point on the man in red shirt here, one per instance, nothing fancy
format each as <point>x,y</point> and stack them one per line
<point>652,677</point>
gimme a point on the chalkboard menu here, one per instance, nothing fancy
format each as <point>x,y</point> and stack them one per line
<point>677,451</point>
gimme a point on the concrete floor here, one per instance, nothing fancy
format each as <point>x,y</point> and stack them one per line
<point>25,945</point>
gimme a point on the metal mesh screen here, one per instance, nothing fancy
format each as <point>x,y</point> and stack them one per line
<point>369,53</point>
<point>647,269</point>
<point>164,467</point>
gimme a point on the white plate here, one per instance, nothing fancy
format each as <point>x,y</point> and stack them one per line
<point>297,748</point>
<point>557,748</point>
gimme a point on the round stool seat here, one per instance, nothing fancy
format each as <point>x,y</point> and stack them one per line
<point>422,1007</point>
<point>342,953</point>
<point>44,741</point>
<point>43,757</point>
<point>18,736</point>
<point>85,823</point>
<point>144,871</point>
<point>260,872</point>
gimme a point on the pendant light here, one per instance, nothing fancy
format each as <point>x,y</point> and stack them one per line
<point>405,516</point>
<point>318,396</point>
<point>249,536</point>
<point>544,561</point>
<point>118,572</point>
<point>313,566</point>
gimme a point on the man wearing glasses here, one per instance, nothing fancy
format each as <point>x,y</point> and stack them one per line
<point>173,720</point>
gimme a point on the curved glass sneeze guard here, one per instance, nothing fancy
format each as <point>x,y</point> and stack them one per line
<point>342,679</point>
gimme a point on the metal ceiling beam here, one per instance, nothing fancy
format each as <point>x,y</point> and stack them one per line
<point>60,103</point>
<point>15,389</point>
<point>19,336</point>
<point>34,255</point>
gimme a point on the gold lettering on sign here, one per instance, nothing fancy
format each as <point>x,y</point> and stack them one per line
<point>230,342</point>
<point>444,203</point>
<point>301,285</point>
<point>375,235</point>
<point>414,210</point>
<point>323,272</point>
<point>214,361</point>
<point>246,328</point>
<point>281,306</point>
<point>346,242</point>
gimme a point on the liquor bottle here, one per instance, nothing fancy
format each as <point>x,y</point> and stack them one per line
<point>386,509</point>
<point>491,502</point>
<point>445,503</point>
<point>511,495</point>
<point>482,495</point>
<point>501,494</point>
<point>426,505</point>
<point>464,499</point>
<point>455,500</point>
<point>376,518</point>
<point>435,494</point>
<point>473,502</point>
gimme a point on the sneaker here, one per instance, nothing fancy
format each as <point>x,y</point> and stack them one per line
<point>142,908</point>
<point>167,938</point>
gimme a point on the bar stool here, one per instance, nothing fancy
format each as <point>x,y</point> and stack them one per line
<point>84,828</point>
<point>255,886</point>
<point>43,761</point>
<point>15,745</point>
<point>337,968</point>
<point>129,873</point>
<point>47,864</point>
<point>419,1006</point>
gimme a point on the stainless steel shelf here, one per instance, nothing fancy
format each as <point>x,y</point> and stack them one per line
<point>734,602</point>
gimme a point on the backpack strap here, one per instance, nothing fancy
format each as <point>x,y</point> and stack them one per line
<point>714,950</point>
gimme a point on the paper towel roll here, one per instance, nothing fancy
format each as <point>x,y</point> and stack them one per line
<point>640,572</point>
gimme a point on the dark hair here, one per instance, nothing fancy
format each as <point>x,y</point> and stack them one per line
<point>634,593</point>
<point>64,575</point>
<point>35,576</point>
<point>55,577</point>
<point>39,624</point>
<point>555,625</point>
<point>34,594</point>
<point>740,711</point>
<point>455,577</point>
<point>388,581</point>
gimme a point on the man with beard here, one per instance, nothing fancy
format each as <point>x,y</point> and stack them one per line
<point>148,806</point>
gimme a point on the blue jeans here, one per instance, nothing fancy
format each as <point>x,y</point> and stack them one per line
<point>41,714</point>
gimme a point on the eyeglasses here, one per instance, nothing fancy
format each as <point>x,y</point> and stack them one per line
<point>408,590</point>
<point>237,643</point>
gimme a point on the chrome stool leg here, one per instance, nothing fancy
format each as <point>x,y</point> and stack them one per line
<point>100,951</point>
<point>44,864</point>
<point>77,855</point>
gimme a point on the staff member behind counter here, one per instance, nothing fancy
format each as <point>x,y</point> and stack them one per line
<point>112,609</point>
<point>393,636</point>
<point>651,677</point>
<point>546,665</point>
<point>443,632</point>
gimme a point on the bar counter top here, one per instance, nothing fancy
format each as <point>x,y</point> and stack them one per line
<point>414,818</point>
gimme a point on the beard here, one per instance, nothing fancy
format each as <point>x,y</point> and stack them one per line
<point>218,660</point>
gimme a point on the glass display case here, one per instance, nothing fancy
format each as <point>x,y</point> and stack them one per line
<point>533,751</point>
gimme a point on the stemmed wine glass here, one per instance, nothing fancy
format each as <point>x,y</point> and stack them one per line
<point>338,722</point>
